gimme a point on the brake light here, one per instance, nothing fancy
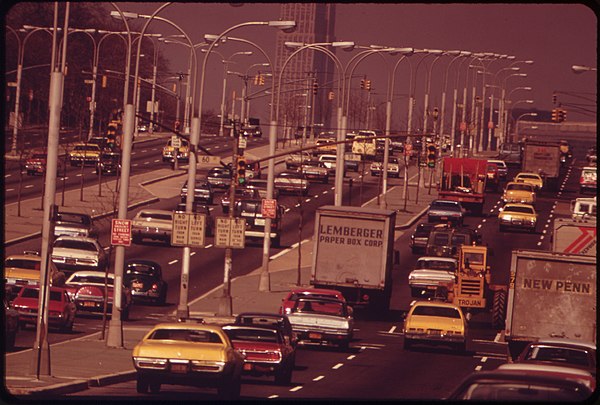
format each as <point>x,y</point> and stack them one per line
<point>155,286</point>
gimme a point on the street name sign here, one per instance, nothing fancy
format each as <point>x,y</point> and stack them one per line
<point>269,208</point>
<point>188,229</point>
<point>175,141</point>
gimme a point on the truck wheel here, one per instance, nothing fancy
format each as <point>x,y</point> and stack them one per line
<point>499,309</point>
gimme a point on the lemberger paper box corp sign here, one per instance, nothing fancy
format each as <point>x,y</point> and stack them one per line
<point>350,244</point>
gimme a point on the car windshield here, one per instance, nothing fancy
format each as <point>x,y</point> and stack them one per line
<point>77,279</point>
<point>441,239</point>
<point>522,391</point>
<point>474,258</point>
<point>253,335</point>
<point>22,264</point>
<point>34,293</point>
<point>141,268</point>
<point>519,187</point>
<point>559,355</point>
<point>522,210</point>
<point>444,312</point>
<point>92,148</point>
<point>435,265</point>
<point>74,218</point>
<point>447,206</point>
<point>75,244</point>
<point>154,215</point>
<point>186,335</point>
<point>319,307</point>
<point>528,176</point>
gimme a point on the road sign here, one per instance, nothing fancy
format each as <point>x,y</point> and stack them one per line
<point>269,208</point>
<point>463,126</point>
<point>188,229</point>
<point>175,141</point>
<point>229,232</point>
<point>120,232</point>
<point>88,81</point>
<point>207,159</point>
<point>490,124</point>
<point>242,142</point>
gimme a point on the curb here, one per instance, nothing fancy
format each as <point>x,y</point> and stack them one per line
<point>57,389</point>
<point>109,379</point>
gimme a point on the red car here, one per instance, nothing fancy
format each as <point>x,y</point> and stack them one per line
<point>265,350</point>
<point>86,288</point>
<point>288,302</point>
<point>61,309</point>
<point>36,164</point>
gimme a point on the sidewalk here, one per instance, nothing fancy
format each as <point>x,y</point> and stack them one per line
<point>82,363</point>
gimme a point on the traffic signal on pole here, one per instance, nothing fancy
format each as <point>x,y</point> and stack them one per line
<point>555,114</point>
<point>554,99</point>
<point>241,170</point>
<point>362,83</point>
<point>261,80</point>
<point>174,87</point>
<point>562,115</point>
<point>431,154</point>
<point>315,87</point>
<point>104,81</point>
<point>256,79</point>
<point>367,85</point>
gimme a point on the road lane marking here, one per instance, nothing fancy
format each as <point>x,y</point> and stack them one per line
<point>484,359</point>
<point>392,329</point>
<point>297,388</point>
<point>352,356</point>
<point>273,396</point>
<point>339,365</point>
<point>478,368</point>
<point>192,253</point>
<point>173,261</point>
<point>208,246</point>
<point>319,378</point>
<point>325,192</point>
<point>29,186</point>
<point>307,200</point>
<point>539,243</point>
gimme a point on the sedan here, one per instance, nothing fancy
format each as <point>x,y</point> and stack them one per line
<point>61,309</point>
<point>219,177</point>
<point>86,288</point>
<point>152,224</point>
<point>532,178</point>
<point>322,321</point>
<point>434,322</point>
<point>278,321</point>
<point>240,194</point>
<point>203,192</point>
<point>561,352</point>
<point>514,215</point>
<point>74,224</point>
<point>36,164</point>
<point>445,211</point>
<point>418,240</point>
<point>72,253</point>
<point>291,182</point>
<point>187,353</point>
<point>502,168</point>
<point>144,279</point>
<point>265,351</point>
<point>432,274</point>
<point>315,170</point>
<point>393,168</point>
<point>523,193</point>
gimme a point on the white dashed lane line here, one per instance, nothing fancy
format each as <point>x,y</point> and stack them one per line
<point>297,388</point>
<point>337,366</point>
<point>319,378</point>
<point>173,261</point>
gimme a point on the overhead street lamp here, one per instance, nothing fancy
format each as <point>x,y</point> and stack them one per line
<point>506,111</point>
<point>225,305</point>
<point>582,69</point>
<point>501,135</point>
<point>531,114</point>
<point>509,113</point>
<point>226,61</point>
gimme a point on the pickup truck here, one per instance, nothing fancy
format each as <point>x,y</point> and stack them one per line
<point>294,160</point>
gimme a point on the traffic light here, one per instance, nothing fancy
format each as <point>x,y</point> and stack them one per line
<point>261,80</point>
<point>554,99</point>
<point>362,83</point>
<point>367,85</point>
<point>331,95</point>
<point>431,154</point>
<point>241,170</point>
<point>562,115</point>
<point>257,79</point>
<point>104,81</point>
<point>315,87</point>
<point>555,114</point>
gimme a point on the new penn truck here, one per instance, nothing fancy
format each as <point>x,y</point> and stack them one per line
<point>550,295</point>
<point>542,158</point>
<point>463,179</point>
<point>353,253</point>
<point>574,236</point>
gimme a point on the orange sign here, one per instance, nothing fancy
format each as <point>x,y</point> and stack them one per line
<point>269,208</point>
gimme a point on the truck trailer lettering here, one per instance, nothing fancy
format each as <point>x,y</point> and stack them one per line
<point>557,285</point>
<point>351,231</point>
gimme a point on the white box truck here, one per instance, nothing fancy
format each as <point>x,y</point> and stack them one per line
<point>550,295</point>
<point>353,253</point>
<point>574,236</point>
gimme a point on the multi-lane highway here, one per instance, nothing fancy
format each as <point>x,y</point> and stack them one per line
<point>376,366</point>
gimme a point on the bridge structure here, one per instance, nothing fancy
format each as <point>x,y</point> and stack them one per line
<point>577,132</point>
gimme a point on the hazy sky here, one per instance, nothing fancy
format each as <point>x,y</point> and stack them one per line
<point>554,36</point>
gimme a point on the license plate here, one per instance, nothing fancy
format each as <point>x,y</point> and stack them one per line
<point>70,261</point>
<point>136,284</point>
<point>444,218</point>
<point>89,304</point>
<point>179,368</point>
<point>314,336</point>
<point>259,221</point>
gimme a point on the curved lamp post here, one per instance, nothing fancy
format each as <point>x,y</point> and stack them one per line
<point>531,114</point>
<point>506,110</point>
<point>511,109</point>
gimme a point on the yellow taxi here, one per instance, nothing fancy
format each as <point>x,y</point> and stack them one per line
<point>514,215</point>
<point>24,269</point>
<point>84,154</point>
<point>326,145</point>
<point>183,154</point>
<point>188,353</point>
<point>517,192</point>
<point>435,322</point>
<point>532,178</point>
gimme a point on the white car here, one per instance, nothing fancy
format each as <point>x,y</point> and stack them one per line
<point>152,224</point>
<point>432,273</point>
<point>502,168</point>
<point>393,168</point>
<point>72,253</point>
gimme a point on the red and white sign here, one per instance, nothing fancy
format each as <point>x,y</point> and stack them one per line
<point>490,124</point>
<point>463,126</point>
<point>583,241</point>
<point>120,233</point>
<point>269,208</point>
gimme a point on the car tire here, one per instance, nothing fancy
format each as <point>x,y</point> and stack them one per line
<point>501,228</point>
<point>141,385</point>
<point>163,297</point>
<point>407,344</point>
<point>344,345</point>
<point>154,387</point>
<point>461,347</point>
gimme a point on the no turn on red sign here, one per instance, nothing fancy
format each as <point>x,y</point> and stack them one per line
<point>269,208</point>
<point>120,232</point>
